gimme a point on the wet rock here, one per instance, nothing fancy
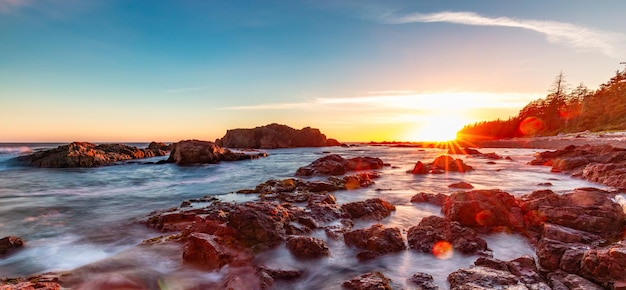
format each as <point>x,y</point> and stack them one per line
<point>374,208</point>
<point>260,223</point>
<point>48,281</point>
<point>441,164</point>
<point>10,244</point>
<point>423,281</point>
<point>461,185</point>
<point>211,252</point>
<point>198,152</point>
<point>613,174</point>
<point>560,280</point>
<point>83,154</point>
<point>337,165</point>
<point>307,247</point>
<point>375,241</point>
<point>159,146</point>
<point>274,136</point>
<point>585,209</point>
<point>369,281</point>
<point>489,273</point>
<point>436,199</point>
<point>433,230</point>
<point>605,266</point>
<point>484,209</point>
<point>464,151</point>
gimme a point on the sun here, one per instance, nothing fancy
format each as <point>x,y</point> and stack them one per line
<point>437,129</point>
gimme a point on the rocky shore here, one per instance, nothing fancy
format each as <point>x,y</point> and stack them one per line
<point>578,236</point>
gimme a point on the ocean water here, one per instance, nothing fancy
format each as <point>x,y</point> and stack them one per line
<point>78,218</point>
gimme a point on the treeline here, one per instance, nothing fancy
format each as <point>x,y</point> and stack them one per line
<point>563,110</point>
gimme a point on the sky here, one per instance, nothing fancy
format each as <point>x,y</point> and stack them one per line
<point>137,71</point>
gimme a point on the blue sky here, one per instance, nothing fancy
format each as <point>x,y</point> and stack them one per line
<point>358,70</point>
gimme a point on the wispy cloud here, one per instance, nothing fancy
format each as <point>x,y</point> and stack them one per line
<point>608,42</point>
<point>405,100</point>
<point>7,6</point>
<point>185,90</point>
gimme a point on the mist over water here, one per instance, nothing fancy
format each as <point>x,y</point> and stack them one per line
<point>70,218</point>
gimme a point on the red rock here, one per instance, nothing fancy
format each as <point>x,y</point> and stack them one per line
<point>273,136</point>
<point>563,280</point>
<point>369,281</point>
<point>436,199</point>
<point>211,252</point>
<point>10,244</point>
<point>307,247</point>
<point>374,208</point>
<point>484,209</point>
<point>336,165</point>
<point>433,229</point>
<point>260,223</point>
<point>461,185</point>
<point>423,281</point>
<point>489,273</point>
<point>196,151</point>
<point>375,241</point>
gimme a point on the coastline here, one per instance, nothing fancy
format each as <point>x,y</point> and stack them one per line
<point>615,139</point>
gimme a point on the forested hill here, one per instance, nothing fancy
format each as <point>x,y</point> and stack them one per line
<point>563,110</point>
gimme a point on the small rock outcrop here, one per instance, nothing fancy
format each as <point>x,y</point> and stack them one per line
<point>371,280</point>
<point>307,247</point>
<point>84,154</point>
<point>10,244</point>
<point>198,152</point>
<point>375,241</point>
<point>441,164</point>
<point>436,199</point>
<point>423,281</point>
<point>436,234</point>
<point>274,136</point>
<point>337,165</point>
<point>484,210</point>
<point>373,208</point>
<point>489,273</point>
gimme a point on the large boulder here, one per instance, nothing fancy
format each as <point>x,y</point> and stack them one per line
<point>262,223</point>
<point>84,154</point>
<point>484,209</point>
<point>336,165</point>
<point>274,136</point>
<point>375,241</point>
<point>197,152</point>
<point>440,236</point>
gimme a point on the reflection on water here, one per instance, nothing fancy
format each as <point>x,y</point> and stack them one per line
<point>74,217</point>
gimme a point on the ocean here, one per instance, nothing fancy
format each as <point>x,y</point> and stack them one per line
<point>78,218</point>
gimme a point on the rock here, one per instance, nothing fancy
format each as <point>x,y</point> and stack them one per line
<point>159,146</point>
<point>423,281</point>
<point>373,208</point>
<point>585,209</point>
<point>461,185</point>
<point>261,223</point>
<point>603,164</point>
<point>489,273</point>
<point>333,142</point>
<point>561,280</point>
<point>369,281</point>
<point>465,151</point>
<point>212,253</point>
<point>273,136</point>
<point>375,241</point>
<point>336,165</point>
<point>83,154</point>
<point>436,199</point>
<point>484,209</point>
<point>441,164</point>
<point>10,244</point>
<point>605,266</point>
<point>197,152</point>
<point>434,231</point>
<point>48,281</point>
<point>307,247</point>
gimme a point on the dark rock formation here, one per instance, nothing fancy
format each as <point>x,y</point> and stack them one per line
<point>423,281</point>
<point>337,165</point>
<point>211,252</point>
<point>83,154</point>
<point>307,247</point>
<point>464,151</point>
<point>603,164</point>
<point>196,151</point>
<point>159,146</point>
<point>260,223</point>
<point>561,280</point>
<point>436,199</point>
<point>274,136</point>
<point>484,209</point>
<point>369,281</point>
<point>373,208</point>
<point>489,273</point>
<point>432,231</point>
<point>375,241</point>
<point>441,164</point>
<point>10,244</point>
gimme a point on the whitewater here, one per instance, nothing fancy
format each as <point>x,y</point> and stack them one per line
<point>75,219</point>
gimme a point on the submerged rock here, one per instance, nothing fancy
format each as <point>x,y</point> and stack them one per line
<point>10,244</point>
<point>83,154</point>
<point>198,152</point>
<point>274,136</point>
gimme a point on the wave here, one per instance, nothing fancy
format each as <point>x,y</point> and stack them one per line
<point>15,149</point>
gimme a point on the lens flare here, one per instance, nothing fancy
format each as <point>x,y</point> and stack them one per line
<point>443,250</point>
<point>531,126</point>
